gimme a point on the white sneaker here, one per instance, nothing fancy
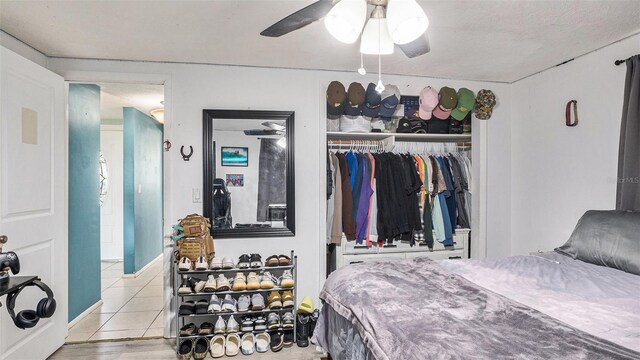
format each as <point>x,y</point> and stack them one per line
<point>201,263</point>
<point>267,281</point>
<point>216,264</point>
<point>184,264</point>
<point>227,263</point>
<point>220,327</point>
<point>232,325</point>
<point>214,304</point>
<point>210,285</point>
<point>287,279</point>
<point>222,283</point>
<point>229,304</point>
<point>199,286</point>
<point>244,302</point>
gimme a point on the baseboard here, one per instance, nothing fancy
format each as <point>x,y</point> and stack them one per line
<point>137,273</point>
<point>84,313</point>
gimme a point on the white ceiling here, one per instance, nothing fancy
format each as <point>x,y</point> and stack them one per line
<point>474,40</point>
<point>115,96</point>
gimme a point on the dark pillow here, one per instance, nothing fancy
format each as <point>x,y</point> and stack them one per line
<point>607,238</point>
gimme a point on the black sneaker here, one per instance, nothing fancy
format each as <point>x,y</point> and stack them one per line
<point>288,339</point>
<point>187,308</point>
<point>260,324</point>
<point>277,342</point>
<point>303,329</point>
<point>244,262</point>
<point>247,324</point>
<point>185,287</point>
<point>202,306</point>
<point>185,350</point>
<point>256,261</point>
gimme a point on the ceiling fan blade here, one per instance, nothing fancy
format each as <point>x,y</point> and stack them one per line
<point>299,19</point>
<point>417,47</point>
<point>259,132</point>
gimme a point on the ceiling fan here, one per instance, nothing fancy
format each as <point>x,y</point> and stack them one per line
<point>272,128</point>
<point>320,9</point>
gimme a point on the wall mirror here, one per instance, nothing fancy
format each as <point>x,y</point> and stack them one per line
<point>249,173</point>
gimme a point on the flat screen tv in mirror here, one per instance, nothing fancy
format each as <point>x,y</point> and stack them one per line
<point>249,177</point>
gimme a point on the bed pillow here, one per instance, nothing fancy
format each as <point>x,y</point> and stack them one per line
<point>606,238</point>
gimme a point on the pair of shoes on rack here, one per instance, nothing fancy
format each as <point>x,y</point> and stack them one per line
<point>305,326</point>
<point>196,348</point>
<point>274,321</point>
<point>218,263</point>
<point>253,323</point>
<point>189,285</point>
<point>277,300</point>
<point>213,284</point>
<point>228,327</point>
<point>220,345</point>
<point>280,340</point>
<point>215,305</point>
<point>251,343</point>
<point>278,260</point>
<point>268,281</point>
<point>246,261</point>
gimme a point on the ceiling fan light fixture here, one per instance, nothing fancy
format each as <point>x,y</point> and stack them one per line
<point>346,19</point>
<point>158,114</point>
<point>406,20</point>
<point>376,39</point>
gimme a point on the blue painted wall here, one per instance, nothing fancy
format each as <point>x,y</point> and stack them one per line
<point>143,186</point>
<point>84,203</point>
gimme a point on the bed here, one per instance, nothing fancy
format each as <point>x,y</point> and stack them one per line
<point>547,306</point>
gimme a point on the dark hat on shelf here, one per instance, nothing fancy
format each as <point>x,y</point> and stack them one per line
<point>390,100</point>
<point>355,99</point>
<point>448,99</point>
<point>372,102</point>
<point>336,98</point>
<point>485,101</point>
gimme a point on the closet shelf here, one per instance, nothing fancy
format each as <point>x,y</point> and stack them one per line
<point>334,135</point>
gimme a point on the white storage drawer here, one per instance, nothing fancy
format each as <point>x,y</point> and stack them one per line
<point>438,255</point>
<point>355,259</point>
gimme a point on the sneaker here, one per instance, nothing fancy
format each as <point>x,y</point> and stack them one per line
<point>253,281</point>
<point>222,283</point>
<point>185,287</point>
<point>288,339</point>
<point>216,263</point>
<point>277,342</point>
<point>272,261</point>
<point>273,321</point>
<point>263,340</point>
<point>244,261</point>
<point>200,348</point>
<point>216,346</point>
<point>247,324</point>
<point>256,261</point>
<point>232,346</point>
<point>227,263</point>
<point>274,300</point>
<point>210,285</point>
<point>267,281</point>
<point>284,260</point>
<point>244,302</point>
<point>187,308</point>
<point>184,264</point>
<point>188,330</point>
<point>215,304</point>
<point>302,330</point>
<point>229,304</point>
<point>248,344</point>
<point>202,264</point>
<point>232,325</point>
<point>202,306</point>
<point>287,299</point>
<point>185,350</point>
<point>220,327</point>
<point>199,287</point>
<point>239,282</point>
<point>260,324</point>
<point>206,328</point>
<point>287,320</point>
<point>287,279</point>
<point>257,302</point>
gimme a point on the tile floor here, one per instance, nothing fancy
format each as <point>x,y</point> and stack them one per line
<point>131,308</point>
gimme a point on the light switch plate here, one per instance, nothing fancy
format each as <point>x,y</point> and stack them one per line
<point>196,194</point>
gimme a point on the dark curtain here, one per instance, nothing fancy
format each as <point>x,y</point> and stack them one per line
<point>272,180</point>
<point>628,191</point>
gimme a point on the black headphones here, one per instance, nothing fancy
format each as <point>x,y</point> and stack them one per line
<point>29,318</point>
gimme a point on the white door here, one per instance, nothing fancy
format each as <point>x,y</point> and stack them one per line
<point>111,212</point>
<point>32,197</point>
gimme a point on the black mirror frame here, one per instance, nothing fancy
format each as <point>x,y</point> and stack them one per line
<point>209,168</point>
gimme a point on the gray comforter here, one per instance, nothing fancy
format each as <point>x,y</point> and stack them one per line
<point>415,309</point>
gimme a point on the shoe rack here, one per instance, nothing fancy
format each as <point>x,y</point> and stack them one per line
<point>181,320</point>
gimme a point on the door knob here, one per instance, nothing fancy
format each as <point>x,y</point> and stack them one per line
<point>3,239</point>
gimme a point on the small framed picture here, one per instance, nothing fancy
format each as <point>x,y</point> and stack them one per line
<point>235,180</point>
<point>234,156</point>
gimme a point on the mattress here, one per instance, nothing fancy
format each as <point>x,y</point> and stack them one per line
<point>599,301</point>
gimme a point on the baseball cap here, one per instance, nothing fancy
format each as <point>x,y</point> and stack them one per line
<point>372,100</point>
<point>448,99</point>
<point>419,126</point>
<point>336,98</point>
<point>485,101</point>
<point>390,99</point>
<point>466,100</point>
<point>428,101</point>
<point>404,126</point>
<point>355,99</point>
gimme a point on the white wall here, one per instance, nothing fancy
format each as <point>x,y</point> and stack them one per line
<point>111,212</point>
<point>244,200</point>
<point>559,172</point>
<point>22,49</point>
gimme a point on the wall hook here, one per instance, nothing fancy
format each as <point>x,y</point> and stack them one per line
<point>167,145</point>
<point>186,157</point>
<point>568,113</point>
